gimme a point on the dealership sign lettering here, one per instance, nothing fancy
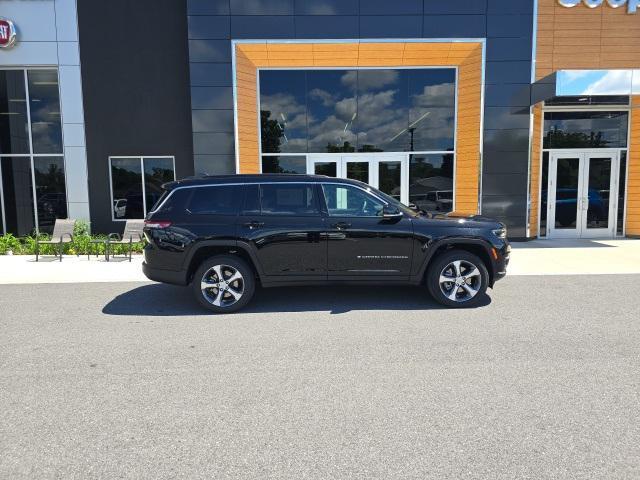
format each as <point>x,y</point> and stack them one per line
<point>632,5</point>
<point>7,33</point>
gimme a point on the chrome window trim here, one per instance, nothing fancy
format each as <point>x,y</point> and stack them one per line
<point>302,182</point>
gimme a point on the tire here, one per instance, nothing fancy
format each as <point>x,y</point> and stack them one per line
<point>229,297</point>
<point>472,277</point>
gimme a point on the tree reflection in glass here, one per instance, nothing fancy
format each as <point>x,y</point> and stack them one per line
<point>283,111</point>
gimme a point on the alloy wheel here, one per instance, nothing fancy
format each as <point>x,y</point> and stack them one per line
<point>460,281</point>
<point>222,285</point>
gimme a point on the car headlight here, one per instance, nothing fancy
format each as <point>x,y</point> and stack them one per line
<point>500,232</point>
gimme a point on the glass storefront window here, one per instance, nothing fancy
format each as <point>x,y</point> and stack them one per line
<point>44,106</point>
<point>585,129</point>
<point>364,110</point>
<point>14,134</point>
<point>432,110</point>
<point>51,196</point>
<point>284,164</point>
<point>157,171</point>
<point>383,110</point>
<point>31,151</point>
<point>126,183</point>
<point>283,111</point>
<point>431,182</point>
<point>331,110</point>
<point>133,196</point>
<point>17,190</point>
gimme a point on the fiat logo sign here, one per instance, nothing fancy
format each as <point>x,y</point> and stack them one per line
<point>632,5</point>
<point>7,33</point>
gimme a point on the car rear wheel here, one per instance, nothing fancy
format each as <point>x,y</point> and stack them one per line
<point>224,284</point>
<point>457,278</point>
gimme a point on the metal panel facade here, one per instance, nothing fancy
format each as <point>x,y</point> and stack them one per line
<point>507,25</point>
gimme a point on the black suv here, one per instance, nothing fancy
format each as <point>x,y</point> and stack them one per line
<point>223,234</point>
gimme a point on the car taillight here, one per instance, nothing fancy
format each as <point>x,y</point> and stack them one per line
<point>157,223</point>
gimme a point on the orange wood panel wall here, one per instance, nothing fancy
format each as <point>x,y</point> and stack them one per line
<point>534,178</point>
<point>633,187</point>
<point>467,56</point>
<point>586,38</point>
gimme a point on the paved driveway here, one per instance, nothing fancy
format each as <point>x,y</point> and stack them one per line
<point>132,380</point>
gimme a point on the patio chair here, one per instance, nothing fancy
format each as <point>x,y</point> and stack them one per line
<point>62,233</point>
<point>132,234</point>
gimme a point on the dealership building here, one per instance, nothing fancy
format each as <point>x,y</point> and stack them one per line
<point>522,110</point>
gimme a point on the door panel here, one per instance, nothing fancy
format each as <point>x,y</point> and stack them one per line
<point>358,171</point>
<point>286,235</point>
<point>389,179</point>
<point>599,195</point>
<point>17,191</point>
<point>361,242</point>
<point>582,194</point>
<point>567,193</point>
<point>389,172</point>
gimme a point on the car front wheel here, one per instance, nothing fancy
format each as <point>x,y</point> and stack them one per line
<point>224,284</point>
<point>457,278</point>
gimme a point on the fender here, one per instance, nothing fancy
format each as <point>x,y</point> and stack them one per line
<point>432,246</point>
<point>232,245</point>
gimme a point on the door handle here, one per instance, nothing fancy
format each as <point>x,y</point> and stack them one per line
<point>341,225</point>
<point>253,225</point>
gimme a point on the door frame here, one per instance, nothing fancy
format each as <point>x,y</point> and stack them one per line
<point>373,159</point>
<point>584,156</point>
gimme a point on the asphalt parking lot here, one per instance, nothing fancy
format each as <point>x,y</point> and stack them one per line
<point>133,380</point>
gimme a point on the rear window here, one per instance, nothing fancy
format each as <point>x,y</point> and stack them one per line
<point>172,200</point>
<point>215,200</point>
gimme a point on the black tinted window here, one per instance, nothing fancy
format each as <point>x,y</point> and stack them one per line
<point>585,129</point>
<point>218,200</point>
<point>174,202</point>
<point>284,199</point>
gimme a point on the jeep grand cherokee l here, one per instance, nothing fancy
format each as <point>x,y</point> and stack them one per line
<point>223,234</point>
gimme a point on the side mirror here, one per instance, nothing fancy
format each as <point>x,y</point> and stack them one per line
<point>390,212</point>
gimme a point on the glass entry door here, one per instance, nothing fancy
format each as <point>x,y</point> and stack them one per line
<point>582,194</point>
<point>388,173</point>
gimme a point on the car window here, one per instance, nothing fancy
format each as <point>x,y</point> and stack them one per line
<point>173,202</point>
<point>348,201</point>
<point>214,200</point>
<point>288,199</point>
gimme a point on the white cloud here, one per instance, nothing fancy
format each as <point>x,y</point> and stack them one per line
<point>369,79</point>
<point>614,82</point>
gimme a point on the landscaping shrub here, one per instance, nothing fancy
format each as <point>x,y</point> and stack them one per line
<point>79,246</point>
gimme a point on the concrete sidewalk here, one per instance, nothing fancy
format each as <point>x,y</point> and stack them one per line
<point>575,257</point>
<point>72,269</point>
<point>538,257</point>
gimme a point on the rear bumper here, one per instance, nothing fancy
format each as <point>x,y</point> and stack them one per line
<point>164,276</point>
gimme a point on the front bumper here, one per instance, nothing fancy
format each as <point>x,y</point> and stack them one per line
<point>502,263</point>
